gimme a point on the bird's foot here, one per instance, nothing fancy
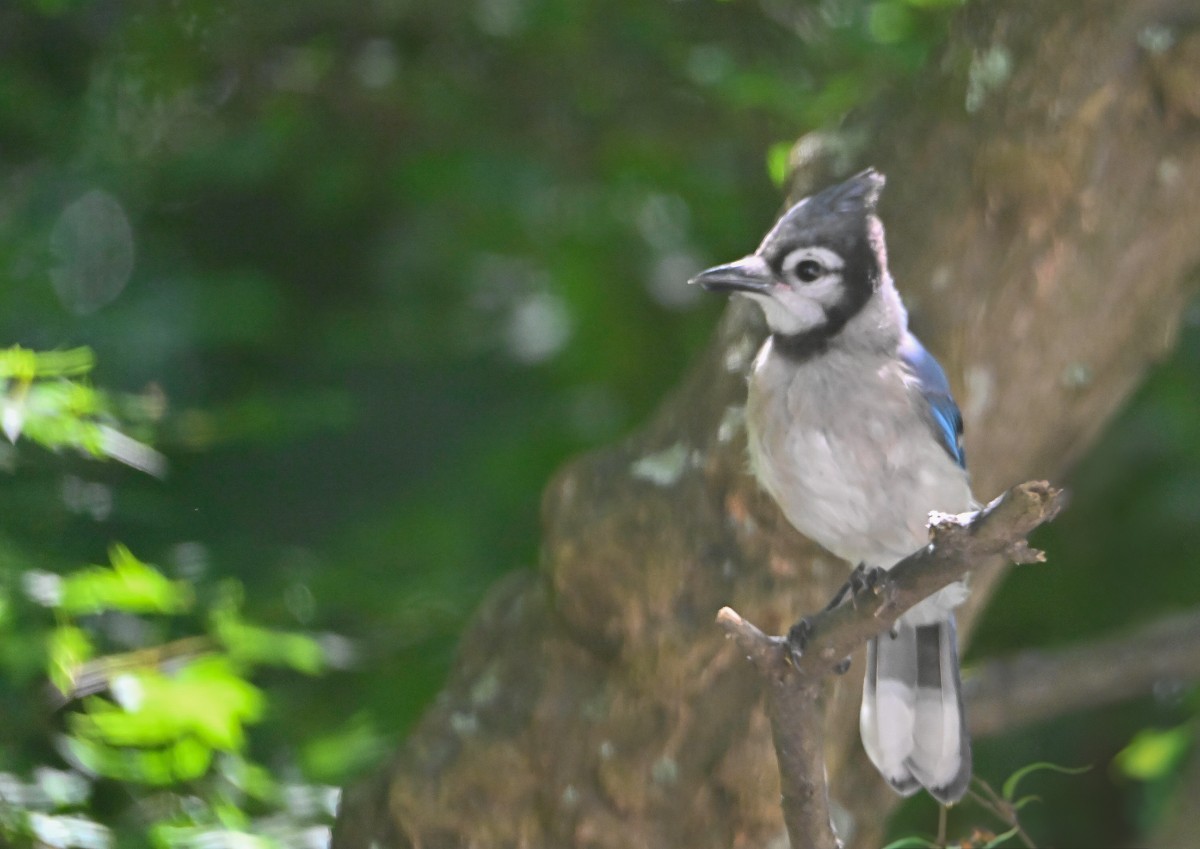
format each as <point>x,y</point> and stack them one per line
<point>864,579</point>
<point>797,639</point>
<point>797,642</point>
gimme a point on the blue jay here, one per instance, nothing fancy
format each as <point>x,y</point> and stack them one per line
<point>853,432</point>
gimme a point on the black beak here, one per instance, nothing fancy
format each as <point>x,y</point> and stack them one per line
<point>748,274</point>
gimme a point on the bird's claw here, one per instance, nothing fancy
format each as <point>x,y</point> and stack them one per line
<point>864,579</point>
<point>797,639</point>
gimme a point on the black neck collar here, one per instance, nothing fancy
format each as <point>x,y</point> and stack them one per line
<point>799,347</point>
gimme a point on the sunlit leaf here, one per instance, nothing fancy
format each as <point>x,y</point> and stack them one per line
<point>67,649</point>
<point>182,761</point>
<point>189,759</point>
<point>23,364</point>
<point>46,405</point>
<point>206,700</point>
<point>129,585</point>
<point>1154,753</point>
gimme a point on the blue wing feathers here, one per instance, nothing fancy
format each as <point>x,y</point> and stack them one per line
<point>944,417</point>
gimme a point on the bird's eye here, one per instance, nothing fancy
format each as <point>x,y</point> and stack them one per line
<point>809,270</point>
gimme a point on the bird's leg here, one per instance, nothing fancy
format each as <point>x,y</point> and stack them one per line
<point>862,578</point>
<point>842,592</point>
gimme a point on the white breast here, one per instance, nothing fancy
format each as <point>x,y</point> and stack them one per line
<point>840,444</point>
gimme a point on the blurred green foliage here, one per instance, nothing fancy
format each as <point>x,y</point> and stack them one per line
<point>368,273</point>
<point>165,721</point>
<point>40,403</point>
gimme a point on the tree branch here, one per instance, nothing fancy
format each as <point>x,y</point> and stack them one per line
<point>957,544</point>
<point>793,673</point>
<point>796,733</point>
<point>1006,693</point>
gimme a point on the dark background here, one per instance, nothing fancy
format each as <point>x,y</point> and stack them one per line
<point>394,261</point>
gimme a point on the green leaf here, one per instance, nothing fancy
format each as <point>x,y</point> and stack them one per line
<point>252,644</point>
<point>912,843</point>
<point>255,645</point>
<point>42,403</point>
<point>1010,786</point>
<point>206,701</point>
<point>189,759</point>
<point>23,364</point>
<point>1154,753</point>
<point>1000,838</point>
<point>778,162</point>
<point>337,756</point>
<point>67,649</point>
<point>890,22</point>
<point>184,761</point>
<point>1025,800</point>
<point>230,815</point>
<point>129,585</point>
<point>252,779</point>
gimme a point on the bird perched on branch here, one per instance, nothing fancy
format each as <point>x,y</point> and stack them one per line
<point>854,433</point>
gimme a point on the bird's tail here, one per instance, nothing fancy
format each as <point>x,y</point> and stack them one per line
<point>912,720</point>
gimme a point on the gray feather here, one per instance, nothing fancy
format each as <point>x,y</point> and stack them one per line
<point>912,720</point>
<point>941,757</point>
<point>888,706</point>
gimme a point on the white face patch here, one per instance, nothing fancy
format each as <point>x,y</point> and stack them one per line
<point>812,284</point>
<point>788,314</point>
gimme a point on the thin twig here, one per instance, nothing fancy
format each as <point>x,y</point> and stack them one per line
<point>1001,809</point>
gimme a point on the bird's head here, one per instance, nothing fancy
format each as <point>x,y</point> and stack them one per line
<point>818,266</point>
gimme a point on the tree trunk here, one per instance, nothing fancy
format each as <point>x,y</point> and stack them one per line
<point>1045,240</point>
